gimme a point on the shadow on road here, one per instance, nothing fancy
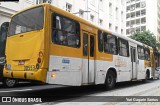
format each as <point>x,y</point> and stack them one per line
<point>69,93</point>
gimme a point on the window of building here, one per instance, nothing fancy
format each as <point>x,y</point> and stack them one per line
<point>110,8</point>
<point>137,5</point>
<point>143,20</point>
<point>110,26</point>
<point>132,14</point>
<point>128,23</point>
<point>101,4</point>
<point>128,8</point>
<point>65,31</point>
<point>132,22</point>
<point>132,0</point>
<point>110,44</point>
<point>143,28</point>
<point>100,41</point>
<point>132,30</point>
<point>140,51</point>
<point>43,1</point>
<point>127,1</point>
<point>137,21</point>
<point>121,16</point>
<point>128,31</point>
<point>100,22</point>
<point>68,7</point>
<point>116,28</point>
<point>123,47</point>
<point>122,31</point>
<point>92,18</point>
<point>132,7</point>
<point>137,13</point>
<point>128,15</point>
<point>116,13</point>
<point>158,31</point>
<point>143,4</point>
<point>143,12</point>
<point>137,29</point>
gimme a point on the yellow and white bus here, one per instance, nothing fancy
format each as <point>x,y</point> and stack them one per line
<point>53,46</point>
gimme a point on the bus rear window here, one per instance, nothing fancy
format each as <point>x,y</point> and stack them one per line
<point>29,20</point>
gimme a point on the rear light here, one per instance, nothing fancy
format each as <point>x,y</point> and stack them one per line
<point>39,60</point>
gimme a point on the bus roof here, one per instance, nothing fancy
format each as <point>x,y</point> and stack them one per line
<point>74,17</point>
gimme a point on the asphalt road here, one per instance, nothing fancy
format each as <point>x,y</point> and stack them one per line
<point>58,94</point>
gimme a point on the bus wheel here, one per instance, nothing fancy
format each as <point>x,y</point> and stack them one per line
<point>9,82</point>
<point>110,80</point>
<point>146,78</point>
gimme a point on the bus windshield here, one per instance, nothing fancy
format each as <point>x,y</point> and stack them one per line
<point>29,20</point>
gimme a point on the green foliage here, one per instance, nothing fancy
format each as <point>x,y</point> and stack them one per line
<point>147,38</point>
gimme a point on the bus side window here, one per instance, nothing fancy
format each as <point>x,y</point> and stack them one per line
<point>91,45</point>
<point>123,48</point>
<point>85,44</point>
<point>147,54</point>
<point>140,50</point>
<point>110,44</point>
<point>65,31</point>
<point>100,41</point>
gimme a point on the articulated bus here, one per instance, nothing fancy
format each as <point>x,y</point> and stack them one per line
<point>3,36</point>
<point>50,45</point>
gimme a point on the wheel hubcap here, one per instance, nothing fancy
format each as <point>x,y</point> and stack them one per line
<point>110,80</point>
<point>10,82</point>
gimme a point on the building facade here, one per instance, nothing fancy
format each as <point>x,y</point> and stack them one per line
<point>143,15</point>
<point>109,14</point>
<point>6,11</point>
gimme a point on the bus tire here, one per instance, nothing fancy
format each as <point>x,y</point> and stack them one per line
<point>9,83</point>
<point>146,77</point>
<point>110,80</point>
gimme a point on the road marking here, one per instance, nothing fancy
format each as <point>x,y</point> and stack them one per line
<point>15,90</point>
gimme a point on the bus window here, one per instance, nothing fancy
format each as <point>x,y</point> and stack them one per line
<point>91,45</point>
<point>100,41</point>
<point>85,44</point>
<point>65,31</point>
<point>140,50</point>
<point>123,48</point>
<point>147,54</point>
<point>110,44</point>
<point>29,20</point>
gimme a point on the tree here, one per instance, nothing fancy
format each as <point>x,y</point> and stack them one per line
<point>147,38</point>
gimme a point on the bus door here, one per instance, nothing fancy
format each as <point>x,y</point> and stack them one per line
<point>88,71</point>
<point>133,61</point>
